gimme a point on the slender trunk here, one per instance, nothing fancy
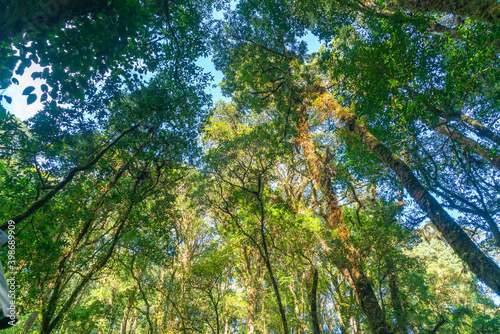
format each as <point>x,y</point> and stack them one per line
<point>71,174</point>
<point>314,311</point>
<point>217,318</point>
<point>132,326</point>
<point>479,263</point>
<point>275,287</point>
<point>296,310</point>
<point>251,294</point>
<point>167,300</point>
<point>395,299</point>
<point>251,311</point>
<point>124,324</point>
<point>264,313</point>
<point>340,307</point>
<point>31,320</point>
<point>265,255</point>
<point>354,323</point>
<point>493,227</point>
<point>367,298</point>
<point>49,322</point>
<point>263,249</point>
<point>143,294</point>
<point>469,144</point>
<point>480,129</point>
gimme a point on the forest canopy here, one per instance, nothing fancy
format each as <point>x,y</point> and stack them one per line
<point>354,189</point>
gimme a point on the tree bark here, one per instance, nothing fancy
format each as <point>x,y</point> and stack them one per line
<point>250,286</point>
<point>469,144</point>
<point>275,285</point>
<point>314,311</point>
<point>340,299</point>
<point>395,298</point>
<point>480,129</point>
<point>480,264</point>
<point>31,320</point>
<point>367,298</point>
<point>49,321</point>
<point>349,263</point>
<point>124,323</point>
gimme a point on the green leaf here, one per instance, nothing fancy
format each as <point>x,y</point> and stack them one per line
<point>15,81</point>
<point>8,99</point>
<point>28,90</point>
<point>31,98</point>
<point>44,88</point>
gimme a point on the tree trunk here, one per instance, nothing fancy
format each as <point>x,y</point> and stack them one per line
<point>124,323</point>
<point>342,315</point>
<point>251,293</point>
<point>264,252</point>
<point>480,264</point>
<point>69,177</point>
<point>298,323</point>
<point>349,263</point>
<point>274,283</point>
<point>367,299</point>
<point>354,324</point>
<point>395,299</point>
<point>132,326</point>
<point>469,144</point>
<point>480,129</point>
<point>31,320</point>
<point>49,318</point>
<point>314,311</point>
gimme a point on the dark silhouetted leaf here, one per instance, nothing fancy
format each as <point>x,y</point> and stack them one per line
<point>28,90</point>
<point>31,98</point>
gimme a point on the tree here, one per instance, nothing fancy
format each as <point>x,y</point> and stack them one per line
<point>350,190</point>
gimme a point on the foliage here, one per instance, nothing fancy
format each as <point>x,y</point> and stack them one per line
<point>140,207</point>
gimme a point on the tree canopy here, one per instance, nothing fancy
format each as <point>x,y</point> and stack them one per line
<point>353,189</point>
